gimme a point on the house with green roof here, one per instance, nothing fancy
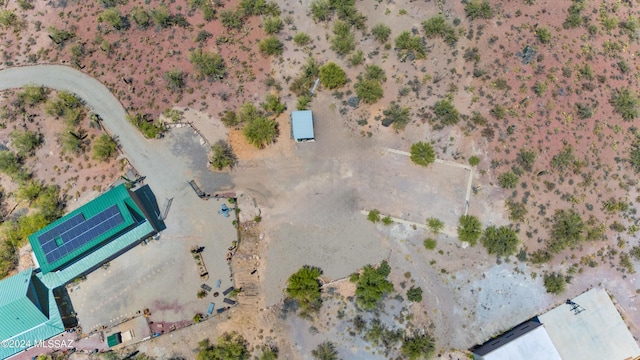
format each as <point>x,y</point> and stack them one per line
<point>28,313</point>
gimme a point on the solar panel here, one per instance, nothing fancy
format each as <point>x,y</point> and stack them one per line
<point>76,232</point>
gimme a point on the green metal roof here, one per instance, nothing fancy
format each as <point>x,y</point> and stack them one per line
<point>28,312</point>
<point>119,196</point>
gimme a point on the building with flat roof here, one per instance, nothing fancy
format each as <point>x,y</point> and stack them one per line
<point>587,327</point>
<point>590,328</point>
<point>302,126</point>
<point>28,313</point>
<point>527,341</point>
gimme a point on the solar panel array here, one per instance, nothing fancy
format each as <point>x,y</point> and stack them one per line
<point>77,231</point>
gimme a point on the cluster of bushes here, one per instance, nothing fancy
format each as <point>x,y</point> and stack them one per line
<point>408,45</point>
<point>397,116</point>
<point>151,129</point>
<point>258,129</point>
<point>222,155</point>
<point>372,285</point>
<point>209,65</point>
<point>323,10</point>
<point>235,19</point>
<point>499,240</point>
<point>369,85</point>
<point>438,27</point>
<point>230,346</point>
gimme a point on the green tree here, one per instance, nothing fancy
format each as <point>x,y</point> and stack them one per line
<point>29,191</point>
<point>446,112</point>
<point>230,346</point>
<point>104,147</point>
<point>25,142</point>
<point>374,216</point>
<point>625,102</point>
<point>508,180</point>
<point>33,95</point>
<point>435,225</point>
<point>414,294</point>
<point>343,40</point>
<point>222,155</point>
<point>261,131</point>
<point>321,10</point>
<point>478,9</point>
<point>175,79</point>
<point>272,105</point>
<point>208,64</point>
<point>407,43</point>
<point>301,39</point>
<point>271,46</point>
<point>567,230</point>
<point>469,229</point>
<point>141,17</point>
<point>304,287</point>
<point>381,32</point>
<point>272,25</point>
<point>502,241</point>
<point>396,115</point>
<point>555,283</point>
<point>418,346</point>
<point>325,351</point>
<point>372,285</point>
<point>113,17</point>
<point>369,91</point>
<point>422,153</point>
<point>332,76</point>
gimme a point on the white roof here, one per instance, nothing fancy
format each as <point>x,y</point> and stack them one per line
<point>534,345</point>
<point>596,333</point>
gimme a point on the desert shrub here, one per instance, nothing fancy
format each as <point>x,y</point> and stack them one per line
<point>634,154</point>
<point>175,79</point>
<point>229,118</point>
<point>301,39</point>
<point>230,346</point>
<point>419,346</point>
<point>437,27</point>
<point>540,256</point>
<point>407,43</point>
<point>303,102</point>
<point>271,46</point>
<point>261,131</point>
<point>478,119</point>
<point>422,153</point>
<point>203,36</point>
<point>435,225</point>
<point>325,351</point>
<point>567,230</point>
<point>268,353</point>
<point>539,88</point>
<point>232,20</point>
<point>25,4</point>
<point>222,155</point>
<point>381,32</point>
<point>272,105</point>
<point>387,220</point>
<point>33,95</point>
<point>374,216</point>
<point>517,210</point>
<point>477,9</point>
<point>374,72</point>
<point>635,252</point>
<point>555,283</point>
<point>631,27</point>
<point>272,25</point>
<point>474,160</point>
<point>25,142</point>
<point>469,229</point>
<point>498,112</point>
<point>430,243</point>
<point>104,147</point>
<point>501,241</point>
<point>343,40</point>
<point>9,19</point>
<point>72,141</point>
<point>60,36</point>
<point>310,71</point>
<point>564,159</point>
<point>396,115</point>
<point>321,10</point>
<point>526,159</point>
<point>304,287</point>
<point>206,6</point>
<point>258,7</point>
<point>65,105</point>
<point>446,112</point>
<point>625,102</point>
<point>113,17</point>
<point>508,180</point>
<point>356,58</point>
<point>11,165</point>
<point>543,35</point>
<point>372,286</point>
<point>209,65</point>
<point>150,129</point>
<point>332,76</point>
<point>414,294</point>
<point>369,91</point>
<point>574,17</point>
<point>585,111</point>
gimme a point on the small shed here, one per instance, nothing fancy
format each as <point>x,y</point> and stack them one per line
<point>302,126</point>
